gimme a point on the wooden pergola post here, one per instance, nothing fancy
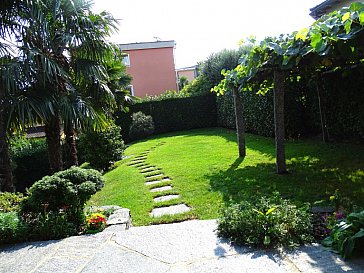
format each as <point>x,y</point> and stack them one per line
<point>279,121</point>
<point>239,119</point>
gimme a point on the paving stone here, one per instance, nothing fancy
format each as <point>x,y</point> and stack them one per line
<point>166,198</point>
<point>149,170</point>
<point>154,176</point>
<point>120,217</point>
<point>152,182</point>
<point>171,210</point>
<point>165,188</point>
<point>113,259</point>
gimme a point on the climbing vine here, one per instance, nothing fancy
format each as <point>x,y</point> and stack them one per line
<point>334,41</point>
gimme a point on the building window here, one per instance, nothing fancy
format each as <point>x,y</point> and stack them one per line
<point>126,60</point>
<point>130,88</point>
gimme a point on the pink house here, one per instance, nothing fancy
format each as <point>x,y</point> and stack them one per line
<point>151,65</point>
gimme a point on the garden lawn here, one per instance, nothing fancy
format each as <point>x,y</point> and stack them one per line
<point>206,171</point>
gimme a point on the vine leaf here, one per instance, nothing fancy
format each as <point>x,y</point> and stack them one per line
<point>346,16</point>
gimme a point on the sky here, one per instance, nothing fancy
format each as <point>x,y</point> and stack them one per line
<point>203,27</point>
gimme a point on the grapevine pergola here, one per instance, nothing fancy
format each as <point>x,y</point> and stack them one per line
<point>334,42</point>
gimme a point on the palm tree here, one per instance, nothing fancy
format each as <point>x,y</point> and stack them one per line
<point>55,29</point>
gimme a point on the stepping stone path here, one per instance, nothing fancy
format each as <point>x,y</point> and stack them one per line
<point>154,176</point>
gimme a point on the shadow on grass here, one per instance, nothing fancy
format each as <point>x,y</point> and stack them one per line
<point>308,181</point>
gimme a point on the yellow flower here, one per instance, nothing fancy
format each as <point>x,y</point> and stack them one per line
<point>332,197</point>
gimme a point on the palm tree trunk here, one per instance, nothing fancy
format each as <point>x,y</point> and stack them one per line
<point>279,121</point>
<point>53,135</point>
<point>72,159</point>
<point>239,118</point>
<point>6,178</point>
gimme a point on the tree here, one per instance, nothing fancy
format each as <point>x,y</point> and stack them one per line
<point>57,29</point>
<point>182,82</point>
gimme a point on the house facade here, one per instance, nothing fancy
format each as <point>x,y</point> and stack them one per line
<point>329,6</point>
<point>151,64</point>
<point>189,72</point>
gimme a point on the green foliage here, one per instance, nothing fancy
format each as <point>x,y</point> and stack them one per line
<point>182,81</point>
<point>342,97</point>
<point>333,37</point>
<point>102,149</point>
<point>267,222</point>
<point>347,236</point>
<point>49,226</point>
<point>169,94</point>
<point>12,228</point>
<point>64,192</point>
<point>10,201</point>
<point>30,161</point>
<point>199,86</point>
<point>141,126</point>
<point>175,114</point>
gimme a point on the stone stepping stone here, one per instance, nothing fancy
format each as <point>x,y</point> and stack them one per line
<point>171,210</point>
<point>150,170</point>
<point>162,179</point>
<point>154,176</point>
<point>142,166</point>
<point>133,163</point>
<point>166,198</point>
<point>140,157</point>
<point>165,188</point>
<point>152,182</point>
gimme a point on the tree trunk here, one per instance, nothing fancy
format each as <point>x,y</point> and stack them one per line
<point>72,159</point>
<point>53,135</point>
<point>279,121</point>
<point>6,178</point>
<point>325,132</point>
<point>239,118</point>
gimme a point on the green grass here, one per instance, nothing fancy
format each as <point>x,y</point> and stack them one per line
<point>207,173</point>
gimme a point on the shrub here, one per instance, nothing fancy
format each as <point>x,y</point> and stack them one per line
<point>141,126</point>
<point>10,201</point>
<point>169,94</point>
<point>102,149</point>
<point>30,161</point>
<point>12,228</point>
<point>347,235</point>
<point>198,86</point>
<point>267,222</point>
<point>64,192</point>
<point>49,225</point>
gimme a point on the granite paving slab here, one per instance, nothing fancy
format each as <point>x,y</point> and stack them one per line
<point>190,246</point>
<point>170,210</point>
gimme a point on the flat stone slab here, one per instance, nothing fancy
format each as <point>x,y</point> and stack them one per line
<point>154,176</point>
<point>171,210</point>
<point>166,198</point>
<point>149,170</point>
<point>152,182</point>
<point>190,246</point>
<point>165,188</point>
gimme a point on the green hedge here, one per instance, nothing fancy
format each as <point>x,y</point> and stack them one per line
<point>342,98</point>
<point>174,114</point>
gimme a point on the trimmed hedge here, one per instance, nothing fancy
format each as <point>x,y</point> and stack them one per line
<point>342,98</point>
<point>174,114</point>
